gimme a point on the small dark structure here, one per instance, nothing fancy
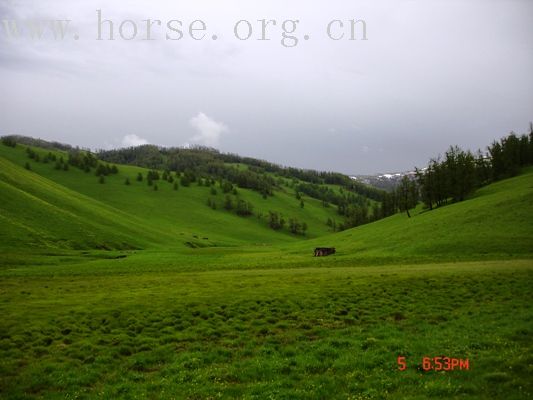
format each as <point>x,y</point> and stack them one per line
<point>324,251</point>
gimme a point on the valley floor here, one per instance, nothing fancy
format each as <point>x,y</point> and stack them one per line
<point>123,331</point>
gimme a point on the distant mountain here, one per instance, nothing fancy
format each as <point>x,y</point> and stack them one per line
<point>387,181</point>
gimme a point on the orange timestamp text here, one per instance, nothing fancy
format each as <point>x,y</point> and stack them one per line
<point>441,363</point>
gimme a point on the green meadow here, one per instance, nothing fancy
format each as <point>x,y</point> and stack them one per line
<point>123,292</point>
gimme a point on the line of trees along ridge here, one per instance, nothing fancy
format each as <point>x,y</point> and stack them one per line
<point>454,176</point>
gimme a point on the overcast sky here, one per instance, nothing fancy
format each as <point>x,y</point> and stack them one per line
<point>431,73</point>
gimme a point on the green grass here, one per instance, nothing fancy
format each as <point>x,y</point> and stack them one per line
<point>495,223</point>
<point>100,296</point>
<point>290,334</point>
<point>175,217</point>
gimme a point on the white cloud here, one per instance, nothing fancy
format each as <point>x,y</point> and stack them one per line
<point>132,141</point>
<point>208,131</point>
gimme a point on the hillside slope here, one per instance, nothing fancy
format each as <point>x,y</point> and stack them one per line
<point>47,207</point>
<point>37,212</point>
<point>495,222</point>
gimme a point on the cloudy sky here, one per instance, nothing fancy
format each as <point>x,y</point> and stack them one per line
<point>431,73</point>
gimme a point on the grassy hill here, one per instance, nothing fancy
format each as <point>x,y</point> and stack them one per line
<point>494,223</point>
<point>47,209</point>
<point>134,216</point>
<point>111,291</point>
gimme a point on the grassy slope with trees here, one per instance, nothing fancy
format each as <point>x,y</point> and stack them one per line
<point>178,216</point>
<point>247,320</point>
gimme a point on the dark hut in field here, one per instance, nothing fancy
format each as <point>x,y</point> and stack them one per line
<point>324,251</point>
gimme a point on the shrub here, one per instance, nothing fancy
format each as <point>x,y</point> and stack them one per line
<point>275,220</point>
<point>9,141</point>
<point>228,203</point>
<point>244,208</point>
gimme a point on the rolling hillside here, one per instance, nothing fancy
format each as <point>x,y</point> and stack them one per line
<point>121,291</point>
<point>495,222</point>
<point>51,208</point>
<point>46,209</point>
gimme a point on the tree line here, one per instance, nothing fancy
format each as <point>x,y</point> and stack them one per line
<point>204,161</point>
<point>458,173</point>
<point>455,176</point>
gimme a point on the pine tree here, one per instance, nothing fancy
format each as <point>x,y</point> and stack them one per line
<point>407,195</point>
<point>9,141</point>
<point>294,226</point>
<point>175,186</point>
<point>244,208</point>
<point>139,177</point>
<point>275,220</point>
<point>101,179</point>
<point>184,181</point>
<point>127,181</point>
<point>228,203</point>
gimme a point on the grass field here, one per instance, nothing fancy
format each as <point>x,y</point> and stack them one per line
<point>252,314</point>
<point>283,333</point>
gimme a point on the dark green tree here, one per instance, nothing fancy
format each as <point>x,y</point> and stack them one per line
<point>244,208</point>
<point>228,203</point>
<point>407,195</point>
<point>275,220</point>
<point>9,141</point>
<point>184,181</point>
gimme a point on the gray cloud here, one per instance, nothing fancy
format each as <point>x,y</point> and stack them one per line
<point>432,74</point>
